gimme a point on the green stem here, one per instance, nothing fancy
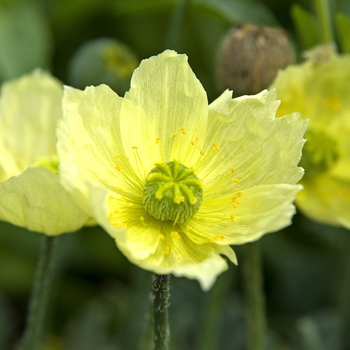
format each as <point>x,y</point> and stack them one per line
<point>342,287</point>
<point>214,306</point>
<point>37,312</point>
<point>323,15</point>
<point>176,25</point>
<point>160,296</point>
<point>253,278</point>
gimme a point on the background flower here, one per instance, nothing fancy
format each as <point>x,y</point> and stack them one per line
<point>320,91</point>
<point>30,193</point>
<point>244,158</point>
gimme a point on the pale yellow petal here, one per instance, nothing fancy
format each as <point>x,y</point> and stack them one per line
<point>8,164</point>
<point>36,200</point>
<point>159,246</point>
<point>175,105</point>
<point>178,255</point>
<point>316,91</point>
<point>260,148</point>
<point>29,109</point>
<point>321,93</point>
<point>257,211</point>
<point>326,199</point>
<point>89,144</point>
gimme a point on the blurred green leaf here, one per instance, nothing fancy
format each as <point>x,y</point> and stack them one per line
<point>25,40</point>
<point>136,6</point>
<point>238,11</point>
<point>305,25</point>
<point>342,24</point>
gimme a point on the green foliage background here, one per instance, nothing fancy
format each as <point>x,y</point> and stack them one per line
<point>101,301</point>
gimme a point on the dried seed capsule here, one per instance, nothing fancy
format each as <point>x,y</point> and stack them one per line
<point>250,58</point>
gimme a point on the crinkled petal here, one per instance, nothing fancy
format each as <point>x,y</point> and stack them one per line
<point>178,255</point>
<point>326,199</point>
<point>158,247</point>
<point>320,92</point>
<point>260,148</point>
<point>37,201</point>
<point>259,210</point>
<point>316,90</point>
<point>173,99</point>
<point>89,144</point>
<point>29,109</point>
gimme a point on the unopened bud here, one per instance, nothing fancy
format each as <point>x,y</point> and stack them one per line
<point>250,58</point>
<point>103,61</point>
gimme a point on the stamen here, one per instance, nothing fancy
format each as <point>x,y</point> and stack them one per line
<point>175,235</point>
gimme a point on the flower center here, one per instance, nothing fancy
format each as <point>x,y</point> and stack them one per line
<point>319,153</point>
<point>172,192</point>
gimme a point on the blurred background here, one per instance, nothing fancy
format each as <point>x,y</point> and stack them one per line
<point>100,300</point>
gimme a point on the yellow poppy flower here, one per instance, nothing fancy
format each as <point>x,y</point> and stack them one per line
<point>320,92</point>
<point>31,195</point>
<point>174,181</point>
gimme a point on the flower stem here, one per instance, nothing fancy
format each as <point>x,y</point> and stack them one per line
<point>41,292</point>
<point>214,306</point>
<point>160,296</point>
<point>323,15</point>
<point>342,287</point>
<point>253,279</point>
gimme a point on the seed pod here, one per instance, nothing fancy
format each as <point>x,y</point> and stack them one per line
<point>250,58</point>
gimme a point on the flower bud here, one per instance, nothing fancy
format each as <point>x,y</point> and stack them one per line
<point>103,61</point>
<point>250,57</point>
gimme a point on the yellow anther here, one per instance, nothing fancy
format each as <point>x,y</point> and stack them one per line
<point>134,147</point>
<point>222,159</point>
<point>202,152</point>
<point>175,234</point>
<point>183,131</point>
<point>239,193</point>
<point>119,167</point>
<point>236,181</point>
<point>142,218</point>
<point>194,141</point>
<point>174,135</point>
<point>232,217</point>
<point>157,140</point>
<point>216,147</point>
<point>216,238</point>
<point>180,256</point>
<point>166,251</point>
<point>126,159</point>
<point>118,189</point>
<point>117,156</point>
<point>232,170</point>
<point>161,237</point>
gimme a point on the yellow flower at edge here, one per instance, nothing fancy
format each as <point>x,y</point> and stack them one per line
<point>176,181</point>
<point>31,195</point>
<point>320,92</point>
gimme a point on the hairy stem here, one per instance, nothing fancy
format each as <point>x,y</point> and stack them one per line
<point>41,293</point>
<point>160,296</point>
<point>256,317</point>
